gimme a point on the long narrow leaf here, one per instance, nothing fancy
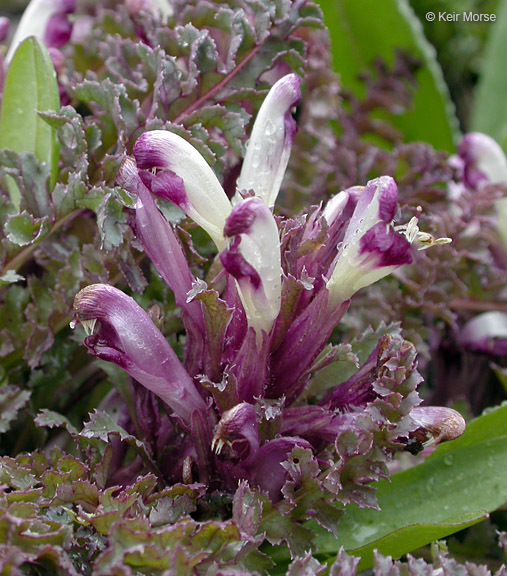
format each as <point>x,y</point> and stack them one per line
<point>489,113</point>
<point>458,486</point>
<point>30,87</point>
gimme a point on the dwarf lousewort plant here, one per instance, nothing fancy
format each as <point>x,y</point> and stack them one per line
<point>258,330</point>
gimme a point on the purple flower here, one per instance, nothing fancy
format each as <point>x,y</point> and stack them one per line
<point>173,169</point>
<point>4,28</point>
<point>486,333</point>
<point>483,160</point>
<point>47,20</point>
<point>255,341</point>
<point>120,332</point>
<point>159,241</point>
<point>268,150</point>
<point>253,260</point>
<point>371,248</point>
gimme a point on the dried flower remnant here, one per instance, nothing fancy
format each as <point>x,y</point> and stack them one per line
<point>288,283</point>
<point>435,424</point>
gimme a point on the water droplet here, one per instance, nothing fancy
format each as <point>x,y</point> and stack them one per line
<point>270,128</point>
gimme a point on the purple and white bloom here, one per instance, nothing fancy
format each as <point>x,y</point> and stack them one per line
<point>269,147</point>
<point>484,160</point>
<point>119,331</point>
<point>173,169</point>
<point>48,20</point>
<point>371,248</point>
<point>253,343</point>
<point>486,333</point>
<point>253,259</point>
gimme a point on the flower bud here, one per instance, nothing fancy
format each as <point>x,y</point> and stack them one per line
<point>486,333</point>
<point>484,160</point>
<point>121,332</point>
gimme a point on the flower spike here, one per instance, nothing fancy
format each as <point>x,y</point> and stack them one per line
<point>253,259</point>
<point>121,332</point>
<point>173,169</point>
<point>268,150</point>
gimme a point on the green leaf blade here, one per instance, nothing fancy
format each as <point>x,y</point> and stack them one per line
<point>358,37</point>
<point>489,114</point>
<point>30,87</point>
<point>456,487</point>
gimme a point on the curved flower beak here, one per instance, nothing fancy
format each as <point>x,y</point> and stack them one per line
<point>45,19</point>
<point>269,147</point>
<point>371,248</point>
<point>121,332</point>
<point>173,169</point>
<point>253,259</point>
